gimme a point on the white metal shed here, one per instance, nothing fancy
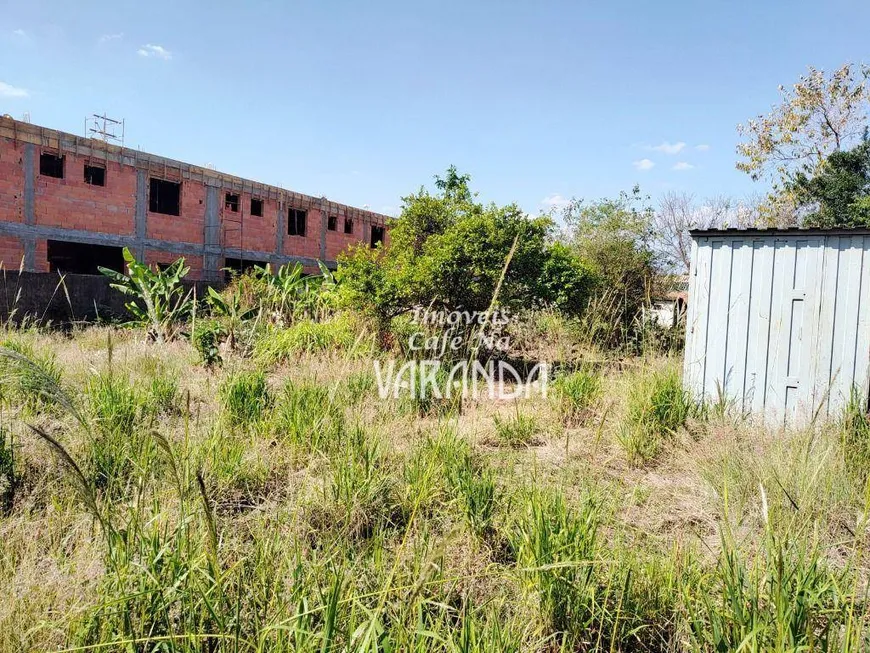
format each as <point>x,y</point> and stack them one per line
<point>779,321</point>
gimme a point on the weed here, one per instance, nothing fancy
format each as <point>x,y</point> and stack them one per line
<point>245,398</point>
<point>855,428</point>
<point>657,405</point>
<point>278,345</point>
<point>577,393</point>
<point>205,338</point>
<point>116,408</point>
<point>357,386</point>
<point>555,548</point>
<point>308,418</point>
<point>161,397</point>
<point>360,494</point>
<point>519,430</point>
<point>782,600</point>
<point>7,471</point>
<point>29,378</point>
<point>474,486</point>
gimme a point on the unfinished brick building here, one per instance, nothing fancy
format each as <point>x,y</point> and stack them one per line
<point>71,203</point>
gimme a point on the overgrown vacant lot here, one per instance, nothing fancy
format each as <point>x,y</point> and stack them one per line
<point>151,503</point>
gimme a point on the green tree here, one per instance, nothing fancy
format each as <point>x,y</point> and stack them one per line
<point>613,240</point>
<point>818,116</point>
<point>449,250</point>
<point>839,193</point>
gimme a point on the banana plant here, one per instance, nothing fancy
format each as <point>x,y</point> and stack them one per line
<point>291,294</point>
<point>160,303</point>
<point>230,308</point>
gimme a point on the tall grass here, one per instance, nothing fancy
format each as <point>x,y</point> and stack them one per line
<point>387,532</point>
<point>556,549</point>
<point>309,418</point>
<point>577,394</point>
<point>245,398</point>
<point>784,597</point>
<point>656,406</point>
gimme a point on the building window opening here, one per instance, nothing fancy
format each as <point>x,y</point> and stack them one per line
<point>348,226</point>
<point>81,258</point>
<point>95,175</point>
<point>165,197</point>
<point>377,236</point>
<point>257,207</point>
<point>296,219</point>
<point>332,223</point>
<point>231,202</point>
<point>51,165</point>
<point>235,266</point>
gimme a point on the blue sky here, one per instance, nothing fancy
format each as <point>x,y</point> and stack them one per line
<point>363,102</point>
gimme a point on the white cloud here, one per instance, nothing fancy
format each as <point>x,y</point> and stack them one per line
<point>157,51</point>
<point>682,165</point>
<point>9,91</point>
<point>643,164</point>
<point>703,147</point>
<point>669,148</point>
<point>555,201</point>
<point>112,37</point>
<point>21,33</point>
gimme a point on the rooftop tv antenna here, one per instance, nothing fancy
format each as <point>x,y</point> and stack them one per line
<point>105,129</point>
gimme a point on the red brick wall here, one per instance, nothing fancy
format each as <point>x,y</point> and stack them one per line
<point>309,244</point>
<point>337,241</point>
<point>41,257</point>
<point>245,231</point>
<point>154,256</point>
<point>73,204</point>
<point>11,252</point>
<point>11,182</point>
<point>189,227</point>
<point>70,203</point>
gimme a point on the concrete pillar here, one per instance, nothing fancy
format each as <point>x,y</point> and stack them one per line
<point>29,243</point>
<point>324,217</point>
<point>281,223</point>
<point>141,214</point>
<point>211,262</point>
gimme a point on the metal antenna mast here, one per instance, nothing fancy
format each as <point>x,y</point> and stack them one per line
<point>105,129</point>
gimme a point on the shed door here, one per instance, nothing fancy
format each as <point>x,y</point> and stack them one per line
<point>794,308</point>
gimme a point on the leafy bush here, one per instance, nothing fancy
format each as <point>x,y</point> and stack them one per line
<point>245,398</point>
<point>162,304</point>
<point>613,240</point>
<point>448,250</point>
<point>205,338</point>
<point>227,306</point>
<point>280,297</point>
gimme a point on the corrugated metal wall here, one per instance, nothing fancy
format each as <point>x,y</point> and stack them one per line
<point>779,324</point>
